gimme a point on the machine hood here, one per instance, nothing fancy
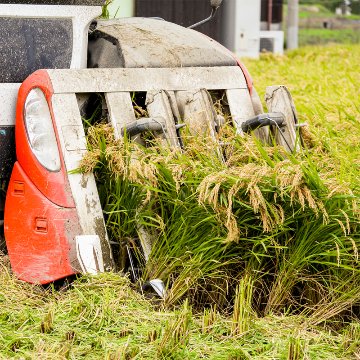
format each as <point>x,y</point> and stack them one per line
<point>147,42</point>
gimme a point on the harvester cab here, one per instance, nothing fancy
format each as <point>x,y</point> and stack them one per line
<point>56,57</point>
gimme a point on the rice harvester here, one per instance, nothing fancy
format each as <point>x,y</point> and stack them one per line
<point>55,55</point>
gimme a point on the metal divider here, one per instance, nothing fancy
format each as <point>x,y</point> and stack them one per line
<point>242,109</point>
<point>279,99</point>
<point>122,115</point>
<point>198,113</point>
<point>92,249</point>
<point>121,111</point>
<point>159,107</point>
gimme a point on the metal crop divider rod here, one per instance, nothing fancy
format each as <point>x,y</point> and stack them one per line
<point>197,111</point>
<point>278,99</point>
<point>72,139</point>
<point>122,115</point>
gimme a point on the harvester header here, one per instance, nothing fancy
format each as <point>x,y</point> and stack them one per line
<point>62,68</point>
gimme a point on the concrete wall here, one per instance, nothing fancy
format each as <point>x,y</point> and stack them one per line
<point>122,8</point>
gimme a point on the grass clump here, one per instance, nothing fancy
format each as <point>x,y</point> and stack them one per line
<point>102,317</point>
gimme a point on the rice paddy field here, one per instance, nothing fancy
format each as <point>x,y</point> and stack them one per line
<point>340,28</point>
<point>259,253</point>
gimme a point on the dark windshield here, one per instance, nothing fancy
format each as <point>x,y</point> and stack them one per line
<point>27,45</point>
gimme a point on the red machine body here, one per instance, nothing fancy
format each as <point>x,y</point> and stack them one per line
<point>40,214</point>
<point>43,229</point>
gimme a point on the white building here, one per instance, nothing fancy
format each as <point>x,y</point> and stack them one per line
<point>122,8</point>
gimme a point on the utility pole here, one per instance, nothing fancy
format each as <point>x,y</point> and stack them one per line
<point>293,25</point>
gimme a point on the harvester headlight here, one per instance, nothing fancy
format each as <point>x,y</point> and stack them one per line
<point>40,130</point>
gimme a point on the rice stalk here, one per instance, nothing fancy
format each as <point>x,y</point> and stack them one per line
<point>243,313</point>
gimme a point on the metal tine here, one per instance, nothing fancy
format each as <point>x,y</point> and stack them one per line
<point>242,109</point>
<point>160,104</point>
<point>198,113</point>
<point>279,99</point>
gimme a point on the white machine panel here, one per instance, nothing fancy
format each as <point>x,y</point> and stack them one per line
<point>8,97</point>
